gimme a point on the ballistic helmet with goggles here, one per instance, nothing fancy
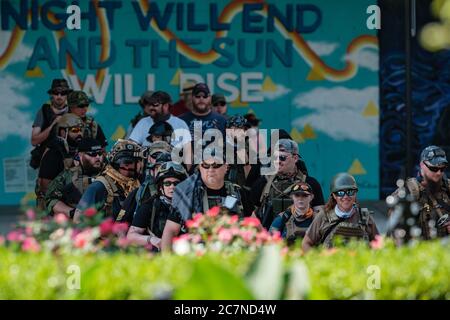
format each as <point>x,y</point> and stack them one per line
<point>171,170</point>
<point>343,181</point>
<point>70,120</point>
<point>125,151</point>
<point>158,146</point>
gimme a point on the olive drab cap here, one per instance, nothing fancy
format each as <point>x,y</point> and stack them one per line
<point>125,149</point>
<point>343,181</point>
<point>77,98</point>
<point>434,155</point>
<point>70,120</point>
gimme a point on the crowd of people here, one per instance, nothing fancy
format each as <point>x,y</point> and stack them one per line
<point>155,180</point>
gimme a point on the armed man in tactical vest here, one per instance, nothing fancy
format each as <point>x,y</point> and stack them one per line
<point>65,191</point>
<point>46,119</point>
<point>59,154</point>
<point>431,190</point>
<point>147,225</point>
<point>293,222</point>
<point>205,189</point>
<point>116,181</point>
<point>157,154</point>
<point>341,218</point>
<point>79,103</point>
<point>271,193</point>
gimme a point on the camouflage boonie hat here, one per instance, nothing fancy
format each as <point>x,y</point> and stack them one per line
<point>77,98</point>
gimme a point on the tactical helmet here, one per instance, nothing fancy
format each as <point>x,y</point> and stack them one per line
<point>69,120</point>
<point>171,169</point>
<point>160,128</point>
<point>237,121</point>
<point>343,181</point>
<point>125,150</point>
<point>159,146</point>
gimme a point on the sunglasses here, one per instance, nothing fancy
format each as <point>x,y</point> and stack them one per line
<point>342,193</point>
<point>155,155</point>
<point>282,157</point>
<point>301,195</point>
<point>75,129</point>
<point>61,93</point>
<point>94,153</point>
<point>200,96</point>
<point>170,183</point>
<point>435,169</point>
<point>220,104</point>
<point>213,165</point>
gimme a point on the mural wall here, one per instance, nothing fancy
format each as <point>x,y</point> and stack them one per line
<point>310,67</point>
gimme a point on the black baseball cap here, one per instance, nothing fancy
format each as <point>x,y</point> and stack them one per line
<point>200,87</point>
<point>89,144</point>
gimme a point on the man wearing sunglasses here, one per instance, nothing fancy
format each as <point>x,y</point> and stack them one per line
<point>158,105</point>
<point>79,103</point>
<point>270,194</point>
<point>150,219</point>
<point>64,192</point>
<point>46,119</point>
<point>120,176</point>
<point>202,113</point>
<point>431,190</point>
<point>341,217</point>
<point>220,104</point>
<point>59,154</point>
<point>203,190</point>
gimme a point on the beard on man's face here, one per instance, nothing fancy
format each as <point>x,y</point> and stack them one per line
<point>90,169</point>
<point>73,142</point>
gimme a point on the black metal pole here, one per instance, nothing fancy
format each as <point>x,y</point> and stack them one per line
<point>408,90</point>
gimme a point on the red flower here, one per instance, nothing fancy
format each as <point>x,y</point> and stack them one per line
<point>234,219</point>
<point>30,244</point>
<point>247,235</point>
<point>90,212</point>
<point>120,228</point>
<point>197,217</point>
<point>377,243</point>
<point>15,236</point>
<point>251,222</point>
<point>123,242</point>
<point>213,212</point>
<point>31,215</point>
<point>225,235</point>
<point>106,227</point>
<point>60,218</point>
<point>82,239</point>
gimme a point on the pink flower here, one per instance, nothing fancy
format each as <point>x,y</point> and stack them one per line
<point>276,236</point>
<point>120,228</point>
<point>123,242</point>
<point>213,212</point>
<point>15,236</point>
<point>106,227</point>
<point>90,212</point>
<point>234,219</point>
<point>262,236</point>
<point>60,219</point>
<point>197,217</point>
<point>82,239</point>
<point>196,238</point>
<point>225,235</point>
<point>377,243</point>
<point>31,215</point>
<point>284,251</point>
<point>30,244</point>
<point>250,222</point>
<point>29,231</point>
<point>247,235</point>
<point>192,224</point>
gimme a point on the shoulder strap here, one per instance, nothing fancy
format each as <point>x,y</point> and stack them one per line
<point>364,215</point>
<point>111,188</point>
<point>266,189</point>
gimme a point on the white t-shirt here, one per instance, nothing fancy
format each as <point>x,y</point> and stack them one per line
<point>181,131</point>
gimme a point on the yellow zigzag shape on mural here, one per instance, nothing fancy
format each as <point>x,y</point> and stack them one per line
<point>371,110</point>
<point>119,133</point>
<point>35,73</point>
<point>297,136</point>
<point>176,78</point>
<point>238,103</point>
<point>357,168</point>
<point>268,85</point>
<point>308,132</point>
<point>227,15</point>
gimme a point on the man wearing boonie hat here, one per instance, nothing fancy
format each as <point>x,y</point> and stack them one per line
<point>431,189</point>
<point>295,220</point>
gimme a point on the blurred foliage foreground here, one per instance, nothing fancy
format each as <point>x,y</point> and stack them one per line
<point>417,271</point>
